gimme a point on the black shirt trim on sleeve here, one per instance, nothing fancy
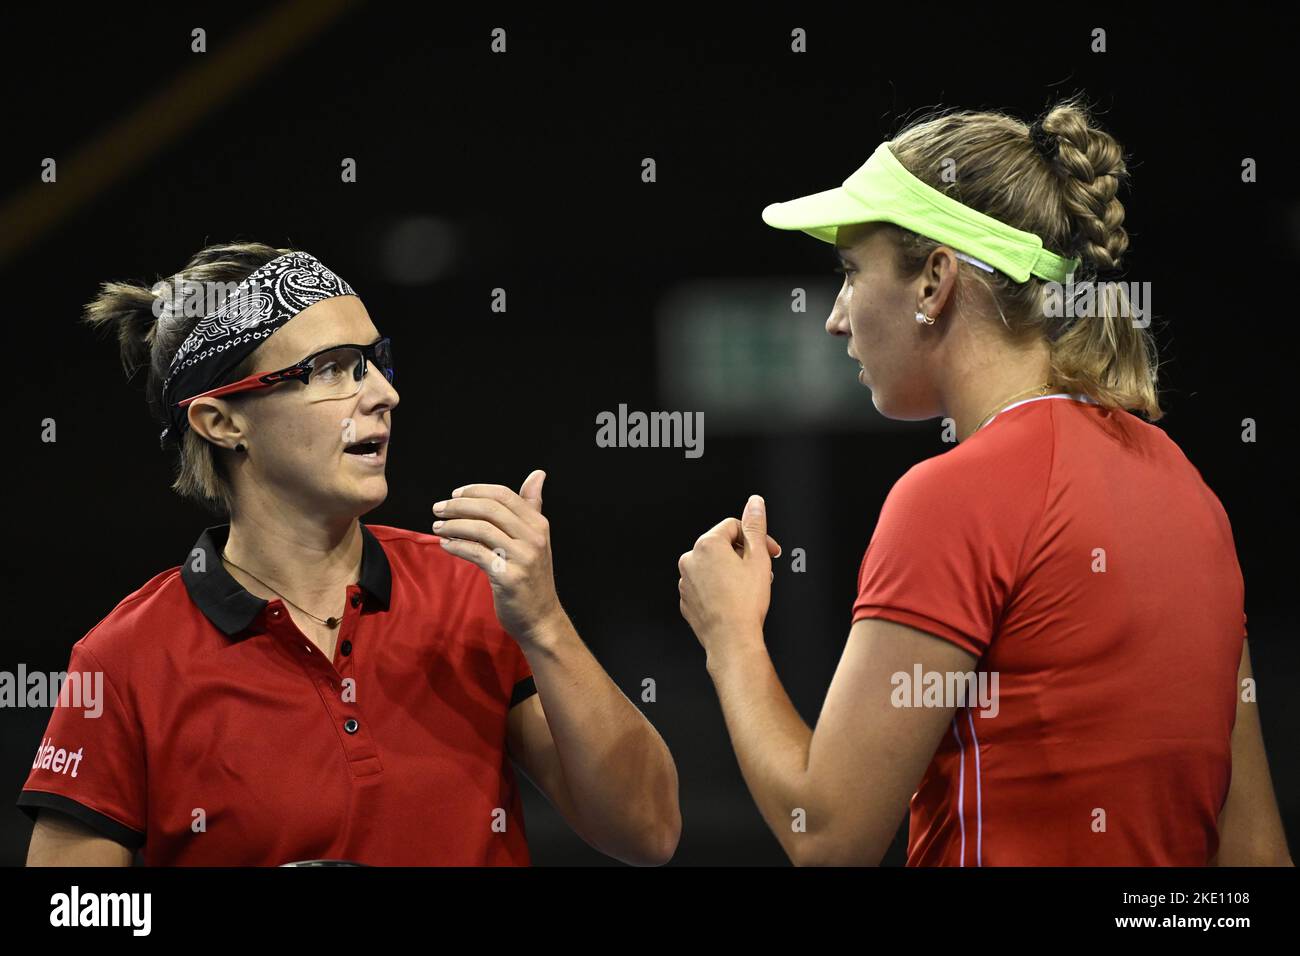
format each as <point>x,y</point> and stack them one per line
<point>31,801</point>
<point>523,690</point>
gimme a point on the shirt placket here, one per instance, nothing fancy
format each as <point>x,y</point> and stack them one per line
<point>341,700</point>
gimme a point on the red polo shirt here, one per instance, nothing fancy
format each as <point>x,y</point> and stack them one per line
<point>227,738</point>
<point>1077,554</point>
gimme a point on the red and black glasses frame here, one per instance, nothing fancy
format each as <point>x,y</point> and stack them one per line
<point>379,352</point>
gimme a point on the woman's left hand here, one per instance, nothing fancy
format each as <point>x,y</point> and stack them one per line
<point>726,580</point>
<point>507,536</point>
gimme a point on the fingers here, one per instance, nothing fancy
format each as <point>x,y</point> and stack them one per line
<point>755,519</point>
<point>524,510</point>
<point>473,552</point>
<point>754,527</point>
<point>732,531</point>
<point>728,529</point>
<point>491,509</point>
<point>532,493</point>
<point>472,529</point>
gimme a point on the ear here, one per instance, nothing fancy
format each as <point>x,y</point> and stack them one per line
<point>212,419</point>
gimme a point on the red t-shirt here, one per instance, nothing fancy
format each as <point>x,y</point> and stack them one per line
<point>1079,555</point>
<point>222,736</point>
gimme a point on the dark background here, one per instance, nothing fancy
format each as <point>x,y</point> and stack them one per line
<point>522,171</point>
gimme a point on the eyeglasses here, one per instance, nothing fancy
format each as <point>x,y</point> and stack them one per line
<point>329,374</point>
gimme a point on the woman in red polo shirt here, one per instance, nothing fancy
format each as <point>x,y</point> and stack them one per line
<point>1047,656</point>
<point>303,686</point>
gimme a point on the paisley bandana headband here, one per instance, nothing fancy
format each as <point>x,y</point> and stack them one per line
<point>224,337</point>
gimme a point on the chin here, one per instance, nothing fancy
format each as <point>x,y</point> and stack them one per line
<point>374,494</point>
<point>889,406</point>
<point>904,413</point>
<point>361,497</point>
<point>877,399</point>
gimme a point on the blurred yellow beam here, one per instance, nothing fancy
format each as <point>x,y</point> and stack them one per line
<point>228,67</point>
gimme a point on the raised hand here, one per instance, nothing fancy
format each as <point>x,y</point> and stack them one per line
<point>506,535</point>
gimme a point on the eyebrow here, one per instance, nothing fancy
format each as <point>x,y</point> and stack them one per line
<point>842,256</point>
<point>338,345</point>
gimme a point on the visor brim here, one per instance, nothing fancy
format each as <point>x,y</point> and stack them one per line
<point>820,214</point>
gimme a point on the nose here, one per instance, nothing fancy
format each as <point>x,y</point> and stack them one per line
<point>377,392</point>
<point>837,323</point>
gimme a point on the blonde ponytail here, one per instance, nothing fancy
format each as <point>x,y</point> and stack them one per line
<point>1067,197</point>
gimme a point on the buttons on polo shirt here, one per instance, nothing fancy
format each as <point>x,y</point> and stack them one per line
<point>356,600</point>
<point>351,725</point>
<point>346,648</point>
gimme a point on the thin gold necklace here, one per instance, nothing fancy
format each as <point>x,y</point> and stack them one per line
<point>330,622</point>
<point>1040,389</point>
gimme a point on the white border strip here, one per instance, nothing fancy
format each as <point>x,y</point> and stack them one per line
<point>979,795</point>
<point>1039,398</point>
<point>961,790</point>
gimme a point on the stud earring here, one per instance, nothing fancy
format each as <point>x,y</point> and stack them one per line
<point>922,317</point>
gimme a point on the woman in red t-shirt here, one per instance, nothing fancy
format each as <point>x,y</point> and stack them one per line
<point>1047,660</point>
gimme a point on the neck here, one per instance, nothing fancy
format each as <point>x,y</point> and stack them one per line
<point>310,560</point>
<point>997,378</point>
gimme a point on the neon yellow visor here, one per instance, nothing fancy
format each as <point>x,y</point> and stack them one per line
<point>882,190</point>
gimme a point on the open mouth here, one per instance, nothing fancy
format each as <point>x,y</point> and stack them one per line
<point>366,449</point>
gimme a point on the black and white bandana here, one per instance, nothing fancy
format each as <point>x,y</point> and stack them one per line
<point>224,337</point>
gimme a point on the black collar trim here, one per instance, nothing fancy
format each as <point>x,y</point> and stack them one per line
<point>227,604</point>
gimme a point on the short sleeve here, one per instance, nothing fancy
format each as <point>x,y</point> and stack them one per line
<point>945,552</point>
<point>90,763</point>
<point>511,665</point>
<point>524,686</point>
